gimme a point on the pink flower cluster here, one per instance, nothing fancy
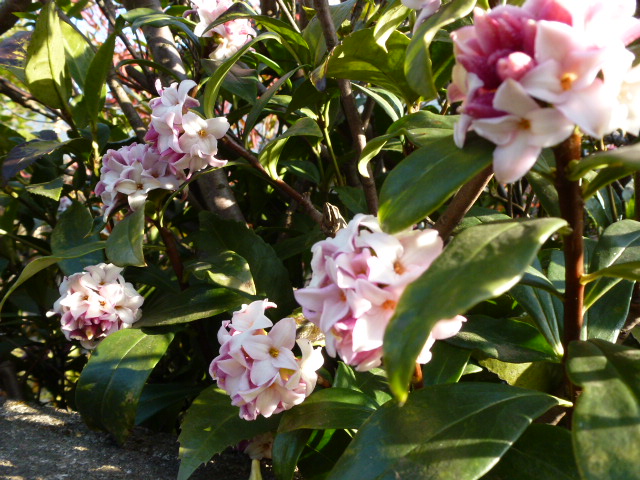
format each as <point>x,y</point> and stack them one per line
<point>96,303</point>
<point>528,75</point>
<point>186,140</point>
<point>258,369</point>
<point>231,36</point>
<point>358,278</point>
<point>130,173</point>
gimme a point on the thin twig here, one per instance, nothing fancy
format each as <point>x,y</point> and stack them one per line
<point>462,202</point>
<point>287,14</point>
<point>127,107</point>
<point>24,99</point>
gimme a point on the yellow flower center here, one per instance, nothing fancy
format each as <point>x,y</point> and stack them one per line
<point>274,352</point>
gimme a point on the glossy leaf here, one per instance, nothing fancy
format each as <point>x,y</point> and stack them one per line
<point>543,451</point>
<point>124,246</point>
<point>52,189</point>
<point>100,68</point>
<point>78,53</point>
<point>331,408</point>
<point>215,81</point>
<point>626,157</point>
<point>424,180</point>
<point>389,102</point>
<point>504,339</point>
<point>417,63</point>
<point>139,17</point>
<point>191,304</point>
<point>482,262</point>
<point>422,438</point>
<point>605,421</point>
<point>269,274</point>
<point>270,154</point>
<point>606,317</point>
<point>447,364</point>
<point>619,244</point>
<point>73,229</point>
<point>389,20</point>
<point>360,58</point>
<point>227,269</point>
<point>212,424</point>
<point>22,156</point>
<point>541,376</point>
<point>45,70</point>
<point>287,448</point>
<point>41,263</point>
<point>111,383</point>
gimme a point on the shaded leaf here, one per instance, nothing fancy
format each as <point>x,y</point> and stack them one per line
<point>22,156</point>
<point>447,364</point>
<point>482,262</point>
<point>124,246</point>
<point>286,451</point>
<point>228,269</point>
<point>110,384</point>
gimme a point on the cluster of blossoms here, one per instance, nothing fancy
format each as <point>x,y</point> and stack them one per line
<point>96,303</point>
<point>180,142</point>
<point>528,75</point>
<point>258,369</point>
<point>230,36</point>
<point>358,278</point>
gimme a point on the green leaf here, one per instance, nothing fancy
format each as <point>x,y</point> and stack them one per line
<point>360,58</point>
<point>73,230</point>
<point>417,63</point>
<point>331,408</point>
<point>482,262</point>
<point>139,17</point>
<point>78,53</point>
<point>542,376</point>
<point>45,70</point>
<point>619,244</point>
<point>389,20</point>
<point>269,274</point>
<point>212,424</point>
<point>156,397</point>
<point>625,158</point>
<point>371,149</point>
<point>22,156</point>
<point>13,54</point>
<point>543,451</point>
<point>215,81</point>
<point>124,246</point>
<point>389,102</point>
<point>505,339</point>
<point>424,180</point>
<point>287,448</point>
<point>41,263</point>
<point>101,66</point>
<point>227,269</point>
<point>447,364</point>
<point>110,384</point>
<point>270,154</point>
<point>52,189</point>
<point>313,31</point>
<point>191,304</point>
<point>607,316</point>
<point>261,103</point>
<point>605,421</point>
<point>423,439</point>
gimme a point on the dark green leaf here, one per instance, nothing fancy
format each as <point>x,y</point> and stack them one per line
<point>286,451</point>
<point>228,269</point>
<point>45,70</point>
<point>422,439</point>
<point>159,396</point>
<point>360,58</point>
<point>625,157</point>
<point>447,364</point>
<point>331,408</point>
<point>192,304</point>
<point>607,316</point>
<point>352,198</point>
<point>52,189</point>
<point>482,262</point>
<point>212,424</point>
<point>269,274</point>
<point>424,180</point>
<point>605,422</point>
<point>313,31</point>
<point>542,452</point>
<point>22,156</point>
<point>417,63</point>
<point>124,246</point>
<point>99,70</point>
<point>505,339</point>
<point>110,385</point>
<point>73,230</point>
<point>41,263</point>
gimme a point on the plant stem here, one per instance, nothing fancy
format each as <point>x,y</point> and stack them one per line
<point>462,202</point>
<point>572,210</point>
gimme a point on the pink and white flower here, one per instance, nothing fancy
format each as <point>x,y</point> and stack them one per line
<point>258,368</point>
<point>357,280</point>
<point>562,62</point>
<point>95,303</point>
<point>199,141</point>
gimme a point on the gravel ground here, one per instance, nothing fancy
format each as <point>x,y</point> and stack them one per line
<point>42,443</point>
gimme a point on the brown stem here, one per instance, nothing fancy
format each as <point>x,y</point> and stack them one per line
<point>304,202</point>
<point>462,202</point>
<point>572,210</point>
<point>417,381</point>
<point>348,105</point>
<point>172,252</point>
<point>127,107</point>
<point>23,98</point>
